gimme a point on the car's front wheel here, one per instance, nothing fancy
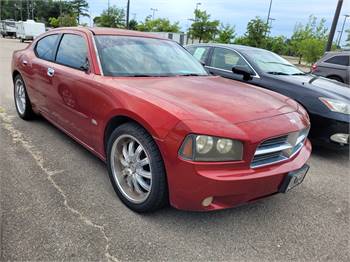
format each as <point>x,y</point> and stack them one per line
<point>136,168</point>
<point>22,102</point>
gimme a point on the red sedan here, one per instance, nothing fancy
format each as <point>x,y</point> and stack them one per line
<point>167,130</point>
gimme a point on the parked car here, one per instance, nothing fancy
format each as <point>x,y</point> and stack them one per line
<point>326,101</point>
<point>165,128</point>
<point>28,30</point>
<point>334,65</point>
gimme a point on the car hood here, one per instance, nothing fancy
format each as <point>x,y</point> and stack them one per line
<point>323,86</point>
<point>211,98</point>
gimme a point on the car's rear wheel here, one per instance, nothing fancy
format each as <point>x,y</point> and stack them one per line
<point>337,78</point>
<point>22,102</point>
<point>136,168</point>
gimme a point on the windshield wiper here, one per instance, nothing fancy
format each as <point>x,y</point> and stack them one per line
<point>298,74</point>
<point>277,73</point>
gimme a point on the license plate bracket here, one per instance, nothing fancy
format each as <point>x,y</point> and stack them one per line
<point>293,179</point>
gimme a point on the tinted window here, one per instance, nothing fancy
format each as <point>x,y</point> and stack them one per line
<point>45,48</point>
<point>226,59</point>
<point>72,51</point>
<point>339,60</point>
<point>200,53</point>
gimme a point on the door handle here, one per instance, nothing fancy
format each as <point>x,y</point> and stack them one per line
<point>50,72</point>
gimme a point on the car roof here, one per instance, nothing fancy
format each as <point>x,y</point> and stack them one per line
<point>230,46</point>
<point>109,31</point>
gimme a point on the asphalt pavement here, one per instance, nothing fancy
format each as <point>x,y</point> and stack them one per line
<point>57,204</point>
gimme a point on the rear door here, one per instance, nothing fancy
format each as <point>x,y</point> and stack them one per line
<point>39,65</point>
<point>201,53</point>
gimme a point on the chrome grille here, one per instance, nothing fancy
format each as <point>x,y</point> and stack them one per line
<point>279,148</point>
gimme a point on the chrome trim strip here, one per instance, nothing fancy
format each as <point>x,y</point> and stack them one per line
<point>97,55</point>
<point>272,149</point>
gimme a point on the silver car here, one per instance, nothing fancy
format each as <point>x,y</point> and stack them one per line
<point>334,65</point>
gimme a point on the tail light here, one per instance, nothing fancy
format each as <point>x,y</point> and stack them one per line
<point>313,68</point>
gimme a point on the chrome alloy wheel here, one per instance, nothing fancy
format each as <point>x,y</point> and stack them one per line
<point>20,96</point>
<point>131,168</point>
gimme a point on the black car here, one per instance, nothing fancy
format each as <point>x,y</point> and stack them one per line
<point>327,101</point>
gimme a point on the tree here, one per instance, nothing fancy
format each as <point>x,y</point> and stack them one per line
<point>255,34</point>
<point>111,17</point>
<point>312,30</point>
<point>312,49</point>
<point>277,44</point>
<point>80,8</point>
<point>64,20</point>
<point>226,34</point>
<point>202,28</point>
<point>158,25</point>
<point>133,24</point>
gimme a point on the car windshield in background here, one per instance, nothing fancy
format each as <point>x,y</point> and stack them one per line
<point>140,56</point>
<point>271,63</point>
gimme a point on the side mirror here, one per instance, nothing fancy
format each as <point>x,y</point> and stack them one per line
<point>86,66</point>
<point>240,70</point>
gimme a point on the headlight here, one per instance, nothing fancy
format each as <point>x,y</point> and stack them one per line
<point>209,148</point>
<point>336,105</point>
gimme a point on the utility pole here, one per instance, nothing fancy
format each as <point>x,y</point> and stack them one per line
<point>32,9</point>
<point>28,10</point>
<point>268,14</point>
<point>20,10</point>
<point>108,7</point>
<point>127,14</point>
<point>342,29</point>
<point>154,10</point>
<point>334,25</point>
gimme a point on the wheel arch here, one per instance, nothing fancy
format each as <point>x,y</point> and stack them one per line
<point>336,77</point>
<point>15,73</point>
<point>122,118</point>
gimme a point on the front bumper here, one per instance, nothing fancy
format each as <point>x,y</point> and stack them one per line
<point>230,187</point>
<point>323,130</point>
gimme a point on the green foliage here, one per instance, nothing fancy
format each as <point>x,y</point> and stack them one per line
<point>202,28</point>
<point>312,49</point>
<point>311,33</point>
<point>226,34</point>
<point>256,33</point>
<point>158,25</point>
<point>133,24</point>
<point>347,38</point>
<point>65,20</point>
<point>80,8</point>
<point>277,44</point>
<point>111,17</point>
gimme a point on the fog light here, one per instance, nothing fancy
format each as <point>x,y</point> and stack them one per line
<point>340,138</point>
<point>207,201</point>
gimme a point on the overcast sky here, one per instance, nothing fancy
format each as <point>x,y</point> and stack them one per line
<point>234,12</point>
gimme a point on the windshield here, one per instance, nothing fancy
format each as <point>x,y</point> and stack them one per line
<point>271,63</point>
<point>140,56</point>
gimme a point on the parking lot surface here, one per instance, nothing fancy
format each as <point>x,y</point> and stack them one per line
<point>57,204</point>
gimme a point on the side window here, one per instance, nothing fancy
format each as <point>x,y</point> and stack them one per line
<point>226,59</point>
<point>72,51</point>
<point>200,53</point>
<point>339,60</point>
<point>45,48</point>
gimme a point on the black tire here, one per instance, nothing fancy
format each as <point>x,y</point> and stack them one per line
<point>337,78</point>
<point>27,113</point>
<point>158,196</point>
